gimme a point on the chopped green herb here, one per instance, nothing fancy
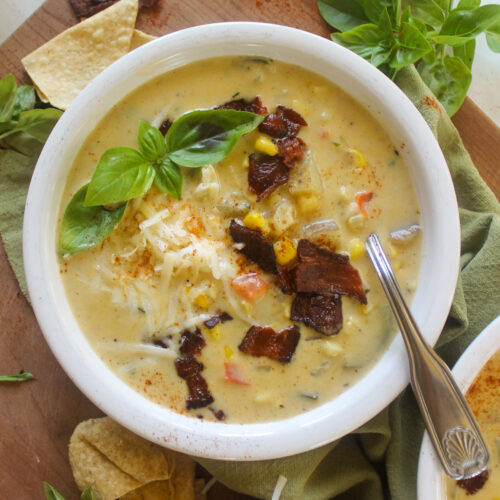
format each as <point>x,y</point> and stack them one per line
<point>19,377</point>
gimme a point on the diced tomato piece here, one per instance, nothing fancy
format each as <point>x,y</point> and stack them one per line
<point>362,198</point>
<point>250,286</point>
<point>232,374</point>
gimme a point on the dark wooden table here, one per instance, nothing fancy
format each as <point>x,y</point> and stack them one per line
<point>37,418</point>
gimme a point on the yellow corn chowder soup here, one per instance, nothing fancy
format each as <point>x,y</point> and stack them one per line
<point>170,265</point>
<point>484,399</point>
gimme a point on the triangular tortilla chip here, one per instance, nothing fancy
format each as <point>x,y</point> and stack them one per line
<point>140,38</point>
<point>66,64</point>
<point>113,460</point>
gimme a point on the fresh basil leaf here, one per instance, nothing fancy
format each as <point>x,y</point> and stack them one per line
<point>343,15</point>
<point>493,37</point>
<point>469,23</point>
<point>449,79</point>
<point>428,11</point>
<point>36,122</point>
<point>207,136</point>
<point>84,227</point>
<point>465,52</point>
<point>370,41</point>
<point>407,17</point>
<point>468,4</point>
<point>121,174</point>
<point>25,99</point>
<point>151,142</point>
<point>373,8</point>
<point>493,41</point>
<point>51,493</point>
<point>8,87</point>
<point>410,47</point>
<point>452,40</point>
<point>88,494</point>
<point>18,377</point>
<point>169,178</point>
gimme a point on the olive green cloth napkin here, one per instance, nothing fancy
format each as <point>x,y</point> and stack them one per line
<point>380,458</point>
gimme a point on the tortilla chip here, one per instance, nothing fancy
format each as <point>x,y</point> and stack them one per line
<point>158,490</point>
<point>140,38</point>
<point>66,64</point>
<point>113,460</point>
<point>183,478</point>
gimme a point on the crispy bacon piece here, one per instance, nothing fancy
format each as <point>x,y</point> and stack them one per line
<point>264,341</point>
<point>257,248</point>
<point>190,370</point>
<point>166,124</point>
<point>87,8</point>
<point>284,122</point>
<point>321,312</point>
<point>192,342</point>
<point>266,173</point>
<point>291,149</point>
<point>218,318</point>
<point>321,271</point>
<point>474,484</point>
<point>254,106</point>
<point>286,280</point>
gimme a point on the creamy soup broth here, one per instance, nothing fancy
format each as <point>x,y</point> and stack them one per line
<point>484,400</point>
<point>126,293</point>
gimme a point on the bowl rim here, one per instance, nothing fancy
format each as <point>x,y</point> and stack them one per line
<point>430,477</point>
<point>218,440</point>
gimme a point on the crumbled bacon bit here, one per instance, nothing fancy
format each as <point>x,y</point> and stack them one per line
<point>286,280</point>
<point>87,8</point>
<point>291,149</point>
<point>254,106</point>
<point>266,173</point>
<point>190,370</point>
<point>192,343</point>
<point>218,318</point>
<point>166,124</point>
<point>218,414</point>
<point>257,248</point>
<point>284,122</point>
<point>321,271</point>
<point>163,343</point>
<point>321,312</point>
<point>474,484</point>
<point>265,341</point>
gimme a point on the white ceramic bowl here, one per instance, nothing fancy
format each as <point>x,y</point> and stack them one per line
<point>430,480</point>
<point>440,242</point>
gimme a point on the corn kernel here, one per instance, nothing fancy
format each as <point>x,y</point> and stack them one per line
<point>359,159</point>
<point>394,252</point>
<point>308,203</point>
<point>366,308</point>
<point>266,146</point>
<point>332,348</point>
<point>228,352</point>
<point>397,265</point>
<point>343,194</point>
<point>214,332</point>
<point>356,248</point>
<point>285,251</point>
<point>255,220</point>
<point>202,301</point>
<point>246,162</point>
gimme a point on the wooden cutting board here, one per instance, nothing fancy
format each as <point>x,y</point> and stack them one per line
<point>37,418</point>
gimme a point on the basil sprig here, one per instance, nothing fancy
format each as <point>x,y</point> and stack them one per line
<point>439,40</point>
<point>18,377</point>
<point>195,139</point>
<point>17,113</point>
<point>84,227</point>
<point>52,494</point>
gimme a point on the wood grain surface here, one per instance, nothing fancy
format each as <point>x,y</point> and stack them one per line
<point>38,417</point>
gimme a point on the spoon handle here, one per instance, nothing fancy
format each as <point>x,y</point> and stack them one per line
<point>449,421</point>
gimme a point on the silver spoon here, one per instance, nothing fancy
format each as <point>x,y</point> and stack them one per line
<point>449,421</point>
